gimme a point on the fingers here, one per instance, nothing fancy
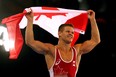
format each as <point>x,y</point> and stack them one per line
<point>90,12</point>
<point>28,10</point>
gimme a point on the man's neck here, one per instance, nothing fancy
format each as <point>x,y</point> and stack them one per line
<point>64,46</point>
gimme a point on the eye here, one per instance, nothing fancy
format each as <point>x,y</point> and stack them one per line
<point>67,31</point>
<point>72,32</point>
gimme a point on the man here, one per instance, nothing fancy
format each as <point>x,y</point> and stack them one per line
<point>63,59</point>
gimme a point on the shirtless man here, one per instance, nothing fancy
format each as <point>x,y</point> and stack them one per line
<point>63,59</point>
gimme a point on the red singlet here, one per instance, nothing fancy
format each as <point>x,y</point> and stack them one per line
<point>63,68</point>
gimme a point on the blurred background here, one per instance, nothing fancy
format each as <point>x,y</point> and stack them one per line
<point>99,62</point>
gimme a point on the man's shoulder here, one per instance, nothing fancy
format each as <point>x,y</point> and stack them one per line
<point>77,45</point>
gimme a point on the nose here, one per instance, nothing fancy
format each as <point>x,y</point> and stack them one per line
<point>71,33</point>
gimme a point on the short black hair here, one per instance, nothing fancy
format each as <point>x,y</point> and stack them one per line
<point>61,27</point>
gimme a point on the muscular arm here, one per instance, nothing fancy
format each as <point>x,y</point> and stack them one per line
<point>88,45</point>
<point>36,45</point>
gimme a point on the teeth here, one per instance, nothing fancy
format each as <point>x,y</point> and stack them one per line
<point>70,36</point>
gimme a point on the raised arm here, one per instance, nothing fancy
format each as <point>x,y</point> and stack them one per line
<point>36,45</point>
<point>88,45</point>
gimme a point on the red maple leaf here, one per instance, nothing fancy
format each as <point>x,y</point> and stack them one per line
<point>49,15</point>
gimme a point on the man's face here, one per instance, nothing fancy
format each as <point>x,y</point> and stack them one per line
<point>67,34</point>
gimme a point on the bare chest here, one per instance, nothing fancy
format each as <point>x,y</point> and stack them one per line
<point>66,56</point>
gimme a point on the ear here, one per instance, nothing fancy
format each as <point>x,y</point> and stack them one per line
<point>59,33</point>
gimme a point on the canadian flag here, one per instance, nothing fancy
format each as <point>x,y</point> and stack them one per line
<point>48,18</point>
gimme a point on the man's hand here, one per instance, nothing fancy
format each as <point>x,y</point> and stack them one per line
<point>29,14</point>
<point>91,14</point>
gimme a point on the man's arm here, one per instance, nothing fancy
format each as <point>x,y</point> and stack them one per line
<point>36,45</point>
<point>88,45</point>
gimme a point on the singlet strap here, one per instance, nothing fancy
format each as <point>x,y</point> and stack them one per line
<point>75,53</point>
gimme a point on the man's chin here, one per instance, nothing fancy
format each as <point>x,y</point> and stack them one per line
<point>69,42</point>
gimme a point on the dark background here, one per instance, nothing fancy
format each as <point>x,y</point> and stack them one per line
<point>99,62</point>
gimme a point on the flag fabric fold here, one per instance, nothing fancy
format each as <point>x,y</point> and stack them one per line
<point>48,18</point>
<point>14,34</point>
